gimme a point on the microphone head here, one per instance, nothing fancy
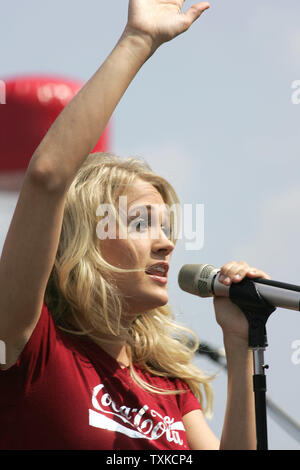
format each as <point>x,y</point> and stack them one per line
<point>197,279</point>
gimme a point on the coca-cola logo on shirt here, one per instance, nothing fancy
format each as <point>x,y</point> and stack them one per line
<point>135,423</point>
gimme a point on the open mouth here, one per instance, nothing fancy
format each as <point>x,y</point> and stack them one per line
<point>158,272</point>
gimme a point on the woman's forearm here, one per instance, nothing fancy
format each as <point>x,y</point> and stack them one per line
<point>239,430</point>
<point>78,128</point>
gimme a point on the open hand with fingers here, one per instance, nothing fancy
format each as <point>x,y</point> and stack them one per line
<point>230,317</point>
<point>159,21</point>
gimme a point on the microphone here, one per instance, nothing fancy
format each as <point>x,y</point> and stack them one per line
<point>202,280</point>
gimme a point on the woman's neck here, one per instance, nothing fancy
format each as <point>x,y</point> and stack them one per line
<point>118,352</point>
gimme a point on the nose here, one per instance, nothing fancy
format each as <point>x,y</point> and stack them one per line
<point>162,244</point>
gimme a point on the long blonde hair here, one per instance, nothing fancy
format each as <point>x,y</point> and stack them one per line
<point>81,293</point>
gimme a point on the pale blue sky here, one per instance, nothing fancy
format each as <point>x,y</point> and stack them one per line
<point>212,112</point>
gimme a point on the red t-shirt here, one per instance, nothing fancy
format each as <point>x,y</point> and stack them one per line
<point>65,392</point>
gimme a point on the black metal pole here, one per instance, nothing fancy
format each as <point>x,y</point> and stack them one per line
<point>288,424</point>
<point>260,388</point>
<point>257,311</point>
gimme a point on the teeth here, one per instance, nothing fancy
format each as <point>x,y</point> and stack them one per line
<point>158,269</point>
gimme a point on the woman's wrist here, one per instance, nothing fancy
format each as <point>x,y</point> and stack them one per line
<point>139,44</point>
<point>235,342</point>
<point>237,350</point>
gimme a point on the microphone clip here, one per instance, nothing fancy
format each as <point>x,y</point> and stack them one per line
<point>256,309</point>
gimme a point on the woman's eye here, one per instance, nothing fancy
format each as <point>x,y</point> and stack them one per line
<point>137,225</point>
<point>142,225</point>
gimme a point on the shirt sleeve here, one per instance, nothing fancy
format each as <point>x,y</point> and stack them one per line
<point>187,401</point>
<point>38,351</point>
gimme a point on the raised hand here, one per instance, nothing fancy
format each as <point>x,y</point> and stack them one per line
<point>160,21</point>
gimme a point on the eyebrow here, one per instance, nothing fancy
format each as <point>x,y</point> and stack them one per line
<point>148,207</point>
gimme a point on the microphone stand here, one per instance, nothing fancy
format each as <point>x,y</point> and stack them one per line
<point>281,418</point>
<point>257,311</point>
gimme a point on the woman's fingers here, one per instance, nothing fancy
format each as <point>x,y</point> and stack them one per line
<point>161,20</point>
<point>193,13</point>
<point>236,271</point>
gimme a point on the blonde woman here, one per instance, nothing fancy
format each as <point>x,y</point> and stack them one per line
<point>94,359</point>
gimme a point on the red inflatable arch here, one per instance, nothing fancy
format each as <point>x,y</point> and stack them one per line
<point>32,104</point>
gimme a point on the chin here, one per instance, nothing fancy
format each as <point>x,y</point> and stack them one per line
<point>159,302</point>
<point>150,304</point>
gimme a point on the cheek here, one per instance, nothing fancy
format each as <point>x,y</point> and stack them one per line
<point>118,253</point>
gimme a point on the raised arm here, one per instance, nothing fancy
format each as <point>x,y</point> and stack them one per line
<point>78,128</point>
<point>31,243</point>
